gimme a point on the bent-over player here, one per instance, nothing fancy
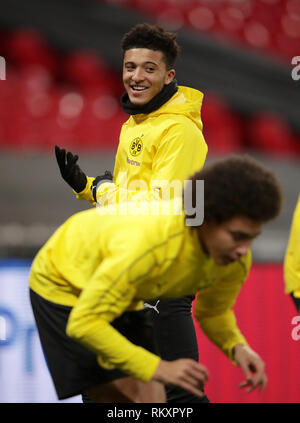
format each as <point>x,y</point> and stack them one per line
<point>88,285</point>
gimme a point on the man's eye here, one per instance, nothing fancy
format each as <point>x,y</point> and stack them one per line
<point>150,69</point>
<point>238,237</point>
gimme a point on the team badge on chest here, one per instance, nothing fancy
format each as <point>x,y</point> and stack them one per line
<point>136,147</point>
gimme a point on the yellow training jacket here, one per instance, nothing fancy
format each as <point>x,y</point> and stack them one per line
<point>103,265</point>
<point>156,148</point>
<point>292,256</point>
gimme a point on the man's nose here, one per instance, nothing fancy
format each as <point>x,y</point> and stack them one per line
<point>243,249</point>
<point>138,75</point>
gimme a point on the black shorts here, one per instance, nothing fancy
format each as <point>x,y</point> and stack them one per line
<point>176,338</point>
<point>73,367</point>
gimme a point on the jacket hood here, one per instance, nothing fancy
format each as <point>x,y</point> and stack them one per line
<point>186,101</point>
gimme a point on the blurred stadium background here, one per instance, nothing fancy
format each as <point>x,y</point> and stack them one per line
<point>62,86</point>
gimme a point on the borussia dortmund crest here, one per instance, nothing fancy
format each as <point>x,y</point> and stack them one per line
<point>136,147</point>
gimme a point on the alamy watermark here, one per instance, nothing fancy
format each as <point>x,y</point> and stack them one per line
<point>161,198</point>
<point>2,69</point>
<point>296,69</point>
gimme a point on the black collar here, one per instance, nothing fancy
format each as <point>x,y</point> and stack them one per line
<point>155,103</point>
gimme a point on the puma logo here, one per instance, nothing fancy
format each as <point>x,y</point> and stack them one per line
<point>151,306</point>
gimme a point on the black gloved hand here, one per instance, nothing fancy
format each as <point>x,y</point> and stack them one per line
<point>107,177</point>
<point>69,169</point>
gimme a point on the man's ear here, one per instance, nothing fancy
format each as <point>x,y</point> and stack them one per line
<point>170,76</point>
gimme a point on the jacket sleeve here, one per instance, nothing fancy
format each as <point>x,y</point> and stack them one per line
<point>86,193</point>
<point>109,293</point>
<point>213,310</point>
<point>110,193</point>
<point>106,192</point>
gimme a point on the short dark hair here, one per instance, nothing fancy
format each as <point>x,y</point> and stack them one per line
<point>238,186</point>
<point>152,37</point>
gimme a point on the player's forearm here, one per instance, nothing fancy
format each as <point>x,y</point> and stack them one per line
<point>222,330</point>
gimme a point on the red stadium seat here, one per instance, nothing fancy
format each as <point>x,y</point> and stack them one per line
<point>172,18</point>
<point>271,134</point>
<point>88,71</point>
<point>254,23</point>
<point>28,47</point>
<point>222,129</point>
<point>200,18</point>
<point>214,110</point>
<point>99,124</point>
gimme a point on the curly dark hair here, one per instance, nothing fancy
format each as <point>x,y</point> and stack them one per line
<point>238,186</point>
<point>152,37</point>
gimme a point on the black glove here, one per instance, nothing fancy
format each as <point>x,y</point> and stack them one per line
<point>107,177</point>
<point>69,169</point>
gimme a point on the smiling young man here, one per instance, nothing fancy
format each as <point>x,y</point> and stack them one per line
<point>145,73</point>
<point>161,142</point>
<point>89,281</point>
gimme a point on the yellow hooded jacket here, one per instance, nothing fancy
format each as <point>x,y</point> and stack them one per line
<point>157,148</point>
